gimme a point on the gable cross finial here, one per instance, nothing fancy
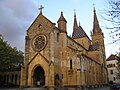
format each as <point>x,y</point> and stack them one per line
<point>74,11</point>
<point>41,7</point>
<point>93,4</point>
<point>93,7</point>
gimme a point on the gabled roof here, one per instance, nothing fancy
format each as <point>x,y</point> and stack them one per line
<point>39,16</point>
<point>111,57</point>
<point>79,33</point>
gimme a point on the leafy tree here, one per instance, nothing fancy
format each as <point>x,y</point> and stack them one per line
<point>10,58</point>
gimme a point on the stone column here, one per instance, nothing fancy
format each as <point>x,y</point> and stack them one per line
<point>24,68</point>
<point>51,77</point>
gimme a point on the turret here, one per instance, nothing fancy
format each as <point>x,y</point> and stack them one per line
<point>98,38</point>
<point>97,34</point>
<point>62,23</point>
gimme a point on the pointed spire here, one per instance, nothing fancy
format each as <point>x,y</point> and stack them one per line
<point>62,18</point>
<point>96,27</point>
<point>79,23</point>
<point>75,25</point>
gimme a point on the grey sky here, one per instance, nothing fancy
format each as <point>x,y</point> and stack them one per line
<point>15,17</point>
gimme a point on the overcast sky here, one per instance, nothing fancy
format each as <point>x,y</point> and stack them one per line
<point>17,15</point>
<point>15,18</point>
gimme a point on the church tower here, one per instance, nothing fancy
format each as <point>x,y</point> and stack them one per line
<point>62,26</point>
<point>98,38</point>
<point>98,42</point>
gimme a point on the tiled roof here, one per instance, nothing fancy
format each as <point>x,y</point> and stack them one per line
<point>111,57</point>
<point>79,33</point>
<point>94,47</point>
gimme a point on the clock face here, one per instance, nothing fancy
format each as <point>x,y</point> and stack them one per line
<point>39,42</point>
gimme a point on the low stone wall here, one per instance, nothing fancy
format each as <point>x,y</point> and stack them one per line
<point>9,78</point>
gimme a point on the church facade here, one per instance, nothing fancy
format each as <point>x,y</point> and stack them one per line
<point>52,58</point>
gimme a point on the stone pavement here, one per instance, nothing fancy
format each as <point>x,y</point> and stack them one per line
<point>103,88</point>
<point>23,89</point>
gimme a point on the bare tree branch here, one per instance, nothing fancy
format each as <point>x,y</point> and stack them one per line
<point>112,15</point>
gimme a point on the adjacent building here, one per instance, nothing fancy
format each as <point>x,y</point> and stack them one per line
<point>112,69</point>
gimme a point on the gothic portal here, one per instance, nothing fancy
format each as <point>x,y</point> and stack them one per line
<point>38,76</point>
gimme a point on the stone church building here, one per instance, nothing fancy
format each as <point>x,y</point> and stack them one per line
<point>52,58</point>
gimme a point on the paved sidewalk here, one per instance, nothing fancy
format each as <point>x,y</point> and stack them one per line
<point>102,88</point>
<point>23,89</point>
<point>37,88</point>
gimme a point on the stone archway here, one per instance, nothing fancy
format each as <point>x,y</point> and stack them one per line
<point>38,76</point>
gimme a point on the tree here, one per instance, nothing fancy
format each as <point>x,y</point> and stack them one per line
<point>114,12</point>
<point>10,58</point>
<point>112,15</point>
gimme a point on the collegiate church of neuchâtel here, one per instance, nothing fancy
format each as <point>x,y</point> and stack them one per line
<point>52,58</point>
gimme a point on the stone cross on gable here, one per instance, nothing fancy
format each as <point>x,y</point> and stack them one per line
<point>93,5</point>
<point>41,7</point>
<point>74,11</point>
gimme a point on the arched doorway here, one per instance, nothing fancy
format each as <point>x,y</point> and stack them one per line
<point>38,76</point>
